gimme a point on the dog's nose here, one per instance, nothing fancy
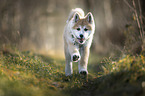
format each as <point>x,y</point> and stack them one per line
<point>81,35</point>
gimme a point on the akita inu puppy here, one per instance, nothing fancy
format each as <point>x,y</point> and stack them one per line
<point>78,35</point>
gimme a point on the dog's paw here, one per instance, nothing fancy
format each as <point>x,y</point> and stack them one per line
<point>83,73</point>
<point>75,57</point>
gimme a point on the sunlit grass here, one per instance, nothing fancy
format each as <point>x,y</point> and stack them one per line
<point>20,72</point>
<point>29,74</point>
<point>123,77</point>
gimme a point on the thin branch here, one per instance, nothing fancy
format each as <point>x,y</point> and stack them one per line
<point>137,19</point>
<point>132,8</point>
<point>141,16</point>
<point>129,5</point>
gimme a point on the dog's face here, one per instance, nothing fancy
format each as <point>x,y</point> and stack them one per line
<point>83,27</point>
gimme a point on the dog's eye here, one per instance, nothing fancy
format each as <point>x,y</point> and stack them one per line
<point>85,29</point>
<point>78,29</point>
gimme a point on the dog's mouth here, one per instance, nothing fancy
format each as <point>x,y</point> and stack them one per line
<point>81,40</point>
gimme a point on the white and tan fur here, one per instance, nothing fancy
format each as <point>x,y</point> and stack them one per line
<point>78,35</point>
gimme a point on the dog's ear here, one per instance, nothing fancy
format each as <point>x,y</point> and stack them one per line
<point>89,17</point>
<point>76,17</point>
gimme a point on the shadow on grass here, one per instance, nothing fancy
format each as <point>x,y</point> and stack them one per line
<point>125,77</point>
<point>114,84</point>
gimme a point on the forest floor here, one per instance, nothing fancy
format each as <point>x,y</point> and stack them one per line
<point>29,74</point>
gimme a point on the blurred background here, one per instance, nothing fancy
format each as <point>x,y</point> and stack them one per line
<point>38,25</point>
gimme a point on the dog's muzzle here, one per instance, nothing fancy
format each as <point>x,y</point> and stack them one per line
<point>81,40</point>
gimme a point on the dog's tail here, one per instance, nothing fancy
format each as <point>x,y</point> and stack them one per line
<point>73,11</point>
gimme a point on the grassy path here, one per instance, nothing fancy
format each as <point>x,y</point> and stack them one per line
<point>28,74</point>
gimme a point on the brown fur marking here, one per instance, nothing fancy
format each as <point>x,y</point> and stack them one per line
<point>82,22</point>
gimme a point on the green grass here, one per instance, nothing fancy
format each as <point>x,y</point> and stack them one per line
<point>124,76</point>
<point>25,74</point>
<point>29,74</point>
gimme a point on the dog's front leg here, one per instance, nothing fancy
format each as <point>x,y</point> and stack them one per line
<point>84,60</point>
<point>74,52</point>
<point>68,66</point>
<point>71,54</point>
